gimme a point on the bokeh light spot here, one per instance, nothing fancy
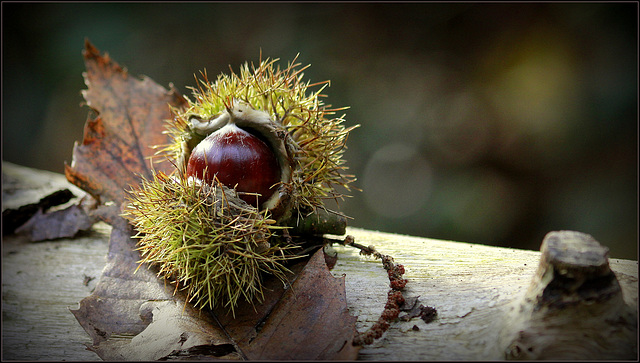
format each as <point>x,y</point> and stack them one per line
<point>398,180</point>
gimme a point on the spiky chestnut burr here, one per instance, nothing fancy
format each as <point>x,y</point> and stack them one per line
<point>205,239</point>
<point>194,225</point>
<point>276,104</point>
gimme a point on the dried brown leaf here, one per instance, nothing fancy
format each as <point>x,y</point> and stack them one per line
<point>310,322</point>
<point>42,205</point>
<point>64,223</point>
<point>117,144</point>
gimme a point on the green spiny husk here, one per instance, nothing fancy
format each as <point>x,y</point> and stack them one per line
<point>315,136</point>
<point>205,239</point>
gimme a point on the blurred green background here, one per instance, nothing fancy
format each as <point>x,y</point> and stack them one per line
<point>485,123</point>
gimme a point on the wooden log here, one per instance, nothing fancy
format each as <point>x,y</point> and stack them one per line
<point>475,289</point>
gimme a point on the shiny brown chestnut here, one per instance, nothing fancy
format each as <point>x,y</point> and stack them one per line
<point>238,159</point>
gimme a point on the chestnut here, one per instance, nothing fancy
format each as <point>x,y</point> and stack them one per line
<point>238,159</point>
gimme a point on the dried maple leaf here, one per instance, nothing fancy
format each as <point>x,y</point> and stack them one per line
<point>133,315</point>
<point>118,142</point>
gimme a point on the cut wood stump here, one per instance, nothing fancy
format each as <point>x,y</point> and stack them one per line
<point>567,301</point>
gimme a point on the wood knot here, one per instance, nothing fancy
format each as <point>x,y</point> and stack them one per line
<point>573,308</point>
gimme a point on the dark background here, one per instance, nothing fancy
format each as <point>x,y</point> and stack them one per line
<point>485,123</point>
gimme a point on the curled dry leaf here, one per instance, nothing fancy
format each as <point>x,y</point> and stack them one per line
<point>57,224</point>
<point>41,204</point>
<point>134,315</point>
